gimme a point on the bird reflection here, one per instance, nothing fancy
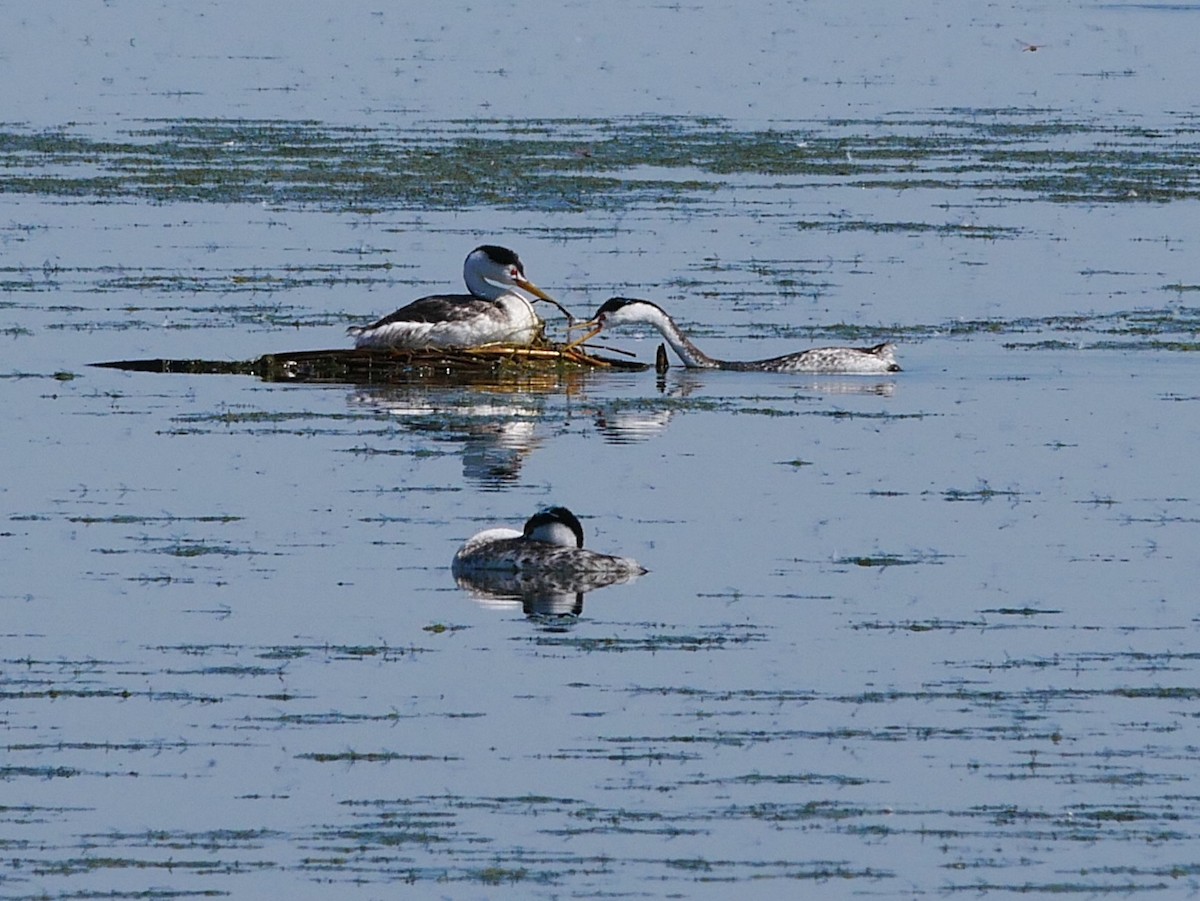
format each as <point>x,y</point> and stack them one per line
<point>544,567</point>
<point>497,429</point>
<point>497,423</point>
<point>630,421</point>
<point>546,598</point>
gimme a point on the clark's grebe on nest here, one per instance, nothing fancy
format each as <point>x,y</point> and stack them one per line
<point>550,545</point>
<point>492,313</point>
<point>832,360</point>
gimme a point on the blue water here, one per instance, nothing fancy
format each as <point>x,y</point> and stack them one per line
<point>930,632</point>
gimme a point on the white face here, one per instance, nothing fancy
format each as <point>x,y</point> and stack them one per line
<point>630,312</point>
<point>493,271</point>
<point>502,274</point>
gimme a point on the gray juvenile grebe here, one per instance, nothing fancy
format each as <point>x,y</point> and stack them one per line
<point>551,544</point>
<point>492,312</point>
<point>832,360</point>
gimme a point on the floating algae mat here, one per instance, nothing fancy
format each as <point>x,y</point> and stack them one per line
<point>371,366</point>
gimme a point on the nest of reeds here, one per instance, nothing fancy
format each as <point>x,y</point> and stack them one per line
<point>388,365</point>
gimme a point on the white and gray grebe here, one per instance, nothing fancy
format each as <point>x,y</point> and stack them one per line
<point>494,311</point>
<point>829,360</point>
<point>551,544</point>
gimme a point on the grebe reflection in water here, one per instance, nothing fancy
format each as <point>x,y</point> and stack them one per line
<point>550,546</point>
<point>617,311</point>
<point>494,312</point>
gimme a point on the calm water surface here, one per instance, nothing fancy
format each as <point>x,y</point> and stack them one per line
<point>930,633</point>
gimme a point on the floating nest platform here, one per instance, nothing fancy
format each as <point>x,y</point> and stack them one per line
<point>375,366</point>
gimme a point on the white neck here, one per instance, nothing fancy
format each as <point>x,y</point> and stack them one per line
<point>692,356</point>
<point>481,287</point>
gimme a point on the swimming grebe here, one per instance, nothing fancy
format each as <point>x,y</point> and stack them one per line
<point>832,360</point>
<point>551,544</point>
<point>493,312</point>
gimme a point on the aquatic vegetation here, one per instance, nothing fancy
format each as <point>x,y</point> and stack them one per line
<point>886,560</point>
<point>716,638</point>
<point>455,164</point>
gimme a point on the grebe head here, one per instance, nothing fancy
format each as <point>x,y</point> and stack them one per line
<point>619,311</point>
<point>622,310</point>
<point>555,525</point>
<point>490,271</point>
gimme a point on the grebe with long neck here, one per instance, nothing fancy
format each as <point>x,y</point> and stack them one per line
<point>494,311</point>
<point>618,311</point>
<point>551,544</point>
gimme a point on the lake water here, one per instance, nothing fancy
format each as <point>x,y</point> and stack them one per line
<point>928,633</point>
